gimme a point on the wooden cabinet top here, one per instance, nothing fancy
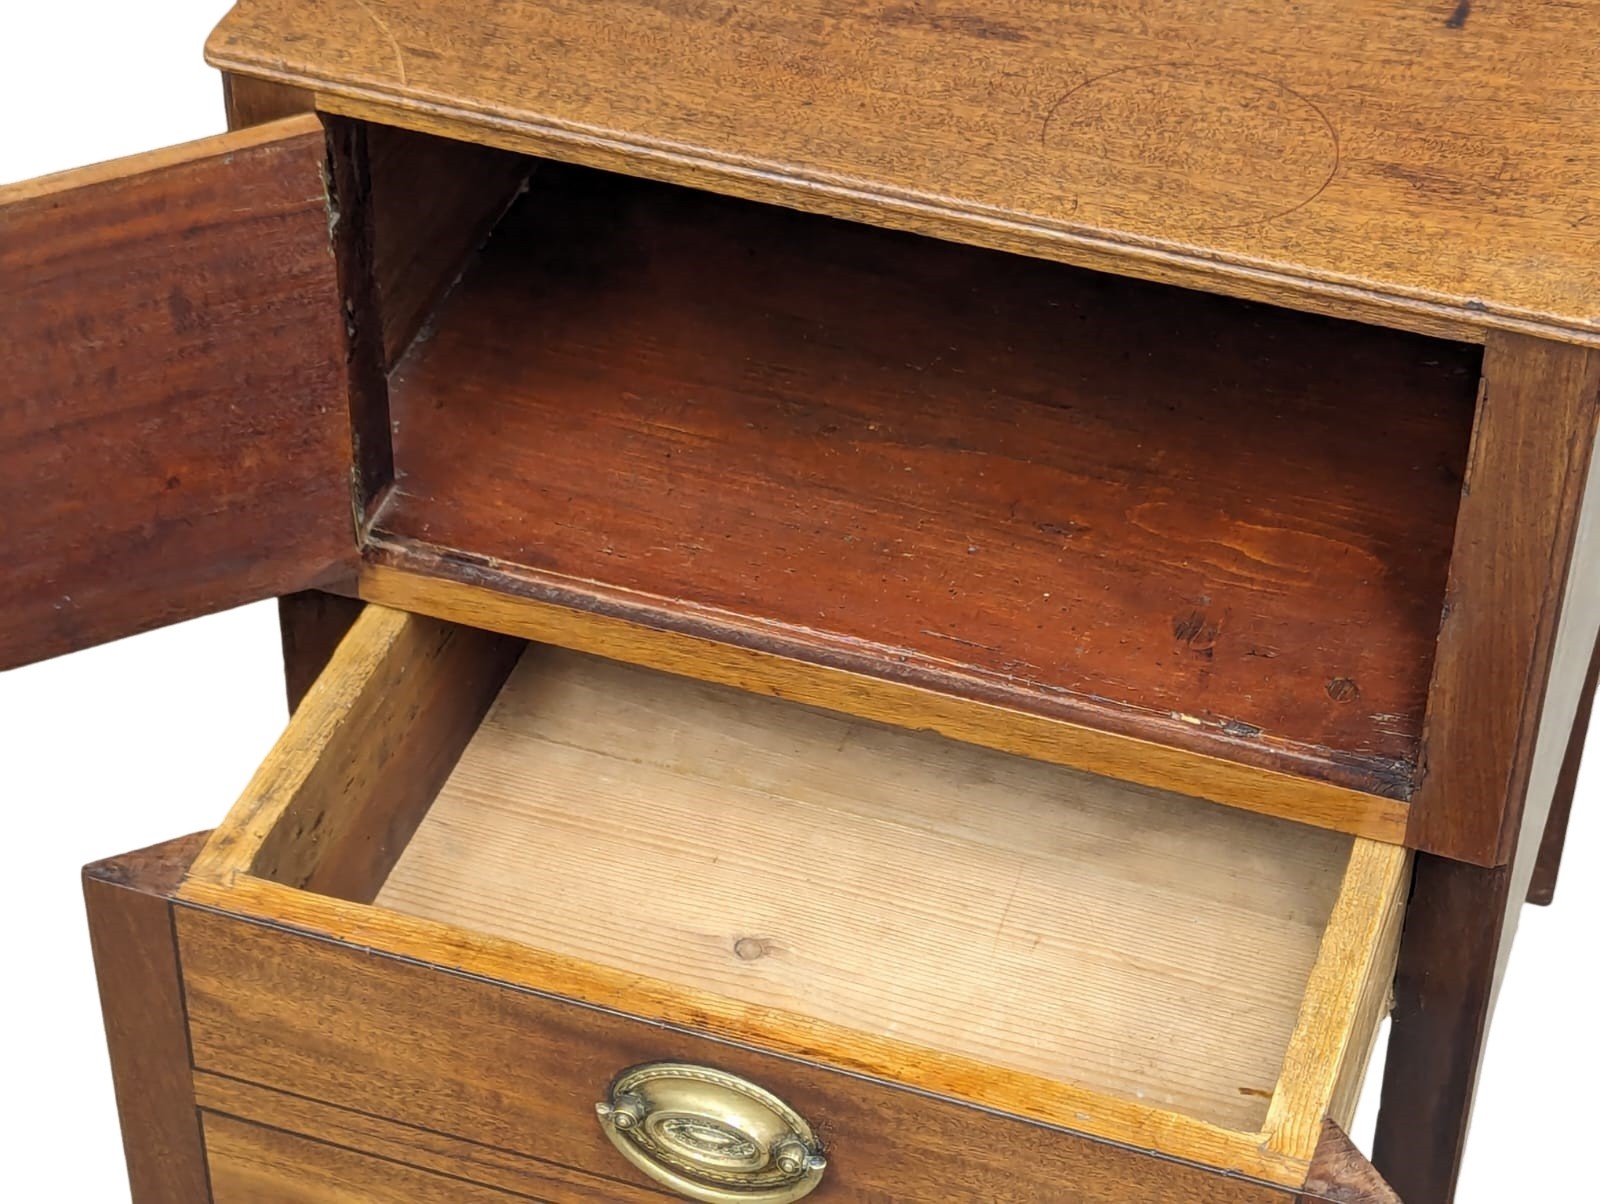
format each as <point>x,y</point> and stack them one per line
<point>1432,166</point>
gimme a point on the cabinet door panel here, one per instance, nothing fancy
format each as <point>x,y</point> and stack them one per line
<point>174,432</point>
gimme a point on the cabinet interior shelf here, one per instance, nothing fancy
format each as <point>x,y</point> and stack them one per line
<point>1214,525</point>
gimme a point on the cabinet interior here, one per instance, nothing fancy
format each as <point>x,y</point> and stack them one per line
<point>1205,523</point>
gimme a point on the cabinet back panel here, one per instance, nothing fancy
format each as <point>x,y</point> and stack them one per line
<point>1199,522</point>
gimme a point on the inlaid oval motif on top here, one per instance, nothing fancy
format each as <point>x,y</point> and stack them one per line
<point>1206,147</point>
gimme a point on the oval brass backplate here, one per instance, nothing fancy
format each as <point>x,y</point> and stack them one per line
<point>711,1136</point>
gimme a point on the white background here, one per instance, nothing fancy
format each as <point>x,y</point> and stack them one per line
<point>127,745</point>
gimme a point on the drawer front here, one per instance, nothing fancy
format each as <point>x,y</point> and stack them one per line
<point>251,1163</point>
<point>518,1072</point>
<point>174,438</point>
<point>322,1135</point>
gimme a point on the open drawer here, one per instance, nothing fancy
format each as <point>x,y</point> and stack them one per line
<point>477,880</point>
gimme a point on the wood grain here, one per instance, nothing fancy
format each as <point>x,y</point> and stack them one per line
<point>174,440</point>
<point>411,211</point>
<point>954,468</point>
<point>1048,1101</point>
<point>310,626</point>
<point>141,1001</point>
<point>1341,1172</point>
<point>253,1164</point>
<point>1339,1175</point>
<point>1460,930</point>
<point>1493,693</point>
<point>422,1148</point>
<point>499,600</point>
<point>1373,1004</point>
<point>250,101</point>
<point>352,233</point>
<point>1386,162</point>
<point>1053,1103</point>
<point>336,800</point>
<point>434,202</point>
<point>520,1071</point>
<point>1345,1001</point>
<point>1462,921</point>
<point>887,881</point>
<point>221,879</point>
<point>262,1149</point>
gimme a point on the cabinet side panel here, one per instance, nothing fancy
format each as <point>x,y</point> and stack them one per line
<point>252,1164</point>
<point>407,1145</point>
<point>250,101</point>
<point>311,624</point>
<point>1501,673</point>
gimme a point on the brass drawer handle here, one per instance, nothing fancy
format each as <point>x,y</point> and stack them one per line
<point>711,1136</point>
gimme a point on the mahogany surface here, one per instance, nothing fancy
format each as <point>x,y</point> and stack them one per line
<point>173,431</point>
<point>128,900</point>
<point>516,1074</point>
<point>1426,165</point>
<point>352,1140</point>
<point>1206,523</point>
<point>1522,607</point>
<point>1217,525</point>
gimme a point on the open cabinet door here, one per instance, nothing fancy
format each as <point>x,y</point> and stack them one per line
<point>174,433</point>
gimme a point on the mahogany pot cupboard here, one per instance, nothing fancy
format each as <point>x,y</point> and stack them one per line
<point>936,601</point>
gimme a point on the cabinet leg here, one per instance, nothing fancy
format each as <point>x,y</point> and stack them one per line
<point>1443,993</point>
<point>141,998</point>
<point>1543,887</point>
